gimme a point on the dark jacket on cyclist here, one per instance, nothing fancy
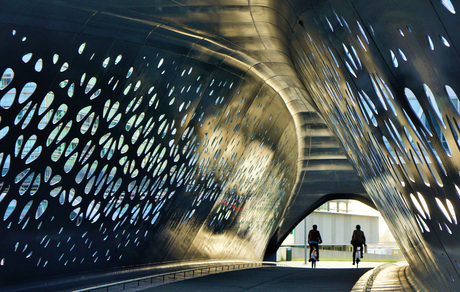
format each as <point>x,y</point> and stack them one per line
<point>314,235</point>
<point>358,237</point>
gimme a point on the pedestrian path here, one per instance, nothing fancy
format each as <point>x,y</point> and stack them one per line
<point>387,277</point>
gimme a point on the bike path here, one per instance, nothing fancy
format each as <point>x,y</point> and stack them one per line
<point>270,279</point>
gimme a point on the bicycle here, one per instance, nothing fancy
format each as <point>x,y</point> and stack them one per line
<point>358,256</point>
<point>313,258</point>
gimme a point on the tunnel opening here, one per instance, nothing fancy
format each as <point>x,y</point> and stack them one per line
<point>336,219</point>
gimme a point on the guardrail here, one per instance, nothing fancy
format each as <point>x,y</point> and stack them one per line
<point>163,276</point>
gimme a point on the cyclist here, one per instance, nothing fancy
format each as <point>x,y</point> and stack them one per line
<point>358,240</point>
<point>314,239</point>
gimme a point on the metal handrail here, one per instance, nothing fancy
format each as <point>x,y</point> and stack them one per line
<point>163,275</point>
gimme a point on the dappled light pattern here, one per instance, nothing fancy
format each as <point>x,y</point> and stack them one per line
<point>397,116</point>
<point>114,156</point>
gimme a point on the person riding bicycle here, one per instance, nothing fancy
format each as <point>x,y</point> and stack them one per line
<point>314,239</point>
<point>358,240</point>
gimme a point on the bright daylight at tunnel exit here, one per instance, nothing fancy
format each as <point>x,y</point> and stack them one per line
<point>147,138</point>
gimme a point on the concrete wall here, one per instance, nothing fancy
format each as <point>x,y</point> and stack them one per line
<point>337,228</point>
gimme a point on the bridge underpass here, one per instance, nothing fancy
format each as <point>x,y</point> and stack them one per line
<point>139,134</point>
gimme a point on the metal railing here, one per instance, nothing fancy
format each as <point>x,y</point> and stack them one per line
<point>163,276</point>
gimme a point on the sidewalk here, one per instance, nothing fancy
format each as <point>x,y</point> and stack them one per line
<point>387,277</point>
<point>381,277</point>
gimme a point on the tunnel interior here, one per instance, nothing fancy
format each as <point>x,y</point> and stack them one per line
<point>138,134</point>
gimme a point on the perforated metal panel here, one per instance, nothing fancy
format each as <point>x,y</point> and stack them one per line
<point>386,77</point>
<point>117,154</point>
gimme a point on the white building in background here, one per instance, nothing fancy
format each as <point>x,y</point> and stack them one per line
<point>336,228</point>
<point>336,221</point>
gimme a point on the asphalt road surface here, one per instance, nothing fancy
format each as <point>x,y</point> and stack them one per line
<point>270,279</point>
